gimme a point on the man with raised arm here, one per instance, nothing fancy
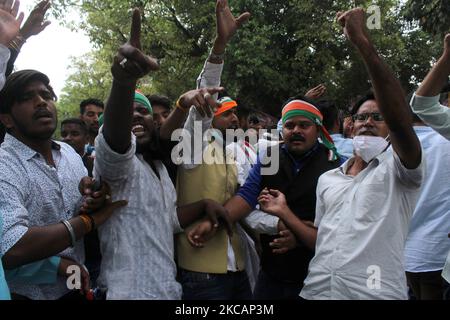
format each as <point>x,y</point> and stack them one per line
<point>137,245</point>
<point>425,103</point>
<point>364,207</point>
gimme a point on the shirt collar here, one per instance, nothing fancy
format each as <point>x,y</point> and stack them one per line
<point>22,149</point>
<point>375,162</point>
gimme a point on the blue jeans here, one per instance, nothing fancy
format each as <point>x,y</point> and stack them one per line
<point>215,286</point>
<point>268,288</point>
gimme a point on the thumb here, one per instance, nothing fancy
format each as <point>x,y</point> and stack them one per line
<point>243,18</point>
<point>275,193</point>
<point>214,90</point>
<point>118,204</point>
<point>340,17</point>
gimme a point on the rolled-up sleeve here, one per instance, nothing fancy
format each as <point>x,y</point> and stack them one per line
<point>113,167</point>
<point>263,222</point>
<point>210,75</point>
<point>432,113</point>
<point>15,215</point>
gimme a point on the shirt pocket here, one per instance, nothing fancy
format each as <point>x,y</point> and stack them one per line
<point>370,202</point>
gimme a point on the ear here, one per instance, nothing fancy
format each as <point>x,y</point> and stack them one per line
<point>7,121</point>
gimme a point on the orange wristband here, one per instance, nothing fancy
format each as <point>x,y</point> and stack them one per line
<point>87,222</point>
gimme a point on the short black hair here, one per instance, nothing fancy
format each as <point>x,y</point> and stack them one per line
<point>76,121</point>
<point>369,95</point>
<point>329,112</point>
<point>160,100</point>
<point>86,102</point>
<point>15,85</point>
<point>253,118</point>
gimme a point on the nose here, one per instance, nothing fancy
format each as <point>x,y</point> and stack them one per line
<point>369,121</point>
<point>235,119</point>
<point>297,129</point>
<point>136,114</point>
<point>40,102</point>
<point>67,138</point>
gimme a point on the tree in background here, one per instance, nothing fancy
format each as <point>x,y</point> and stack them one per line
<point>286,48</point>
<point>432,15</point>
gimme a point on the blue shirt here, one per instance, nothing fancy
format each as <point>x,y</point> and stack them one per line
<point>427,243</point>
<point>252,187</point>
<point>344,146</point>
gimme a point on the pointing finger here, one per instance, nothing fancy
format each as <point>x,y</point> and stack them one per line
<point>135,33</point>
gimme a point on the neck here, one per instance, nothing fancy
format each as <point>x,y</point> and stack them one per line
<point>92,139</point>
<point>356,166</point>
<point>43,147</point>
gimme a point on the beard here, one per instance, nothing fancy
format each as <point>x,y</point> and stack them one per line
<point>23,129</point>
<point>151,150</point>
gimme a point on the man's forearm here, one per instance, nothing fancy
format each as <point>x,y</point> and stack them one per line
<point>392,104</point>
<point>217,49</point>
<point>388,90</point>
<point>436,78</point>
<point>173,122</point>
<point>237,208</point>
<point>304,233</point>
<point>190,213</point>
<point>119,116</point>
<point>42,242</point>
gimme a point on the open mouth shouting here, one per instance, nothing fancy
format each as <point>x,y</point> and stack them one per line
<point>138,130</point>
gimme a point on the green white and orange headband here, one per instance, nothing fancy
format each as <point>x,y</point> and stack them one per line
<point>296,108</point>
<point>226,103</point>
<point>139,98</point>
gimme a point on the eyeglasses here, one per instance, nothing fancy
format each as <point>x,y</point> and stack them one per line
<point>376,116</point>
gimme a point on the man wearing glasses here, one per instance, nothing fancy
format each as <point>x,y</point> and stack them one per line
<point>364,207</point>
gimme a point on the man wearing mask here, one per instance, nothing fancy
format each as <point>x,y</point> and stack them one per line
<point>364,207</point>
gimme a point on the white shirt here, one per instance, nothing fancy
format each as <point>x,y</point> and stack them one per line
<point>432,113</point>
<point>137,242</point>
<point>436,116</point>
<point>427,244</point>
<point>362,227</point>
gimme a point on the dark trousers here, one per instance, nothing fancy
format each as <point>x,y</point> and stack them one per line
<point>427,285</point>
<point>268,288</point>
<point>215,286</point>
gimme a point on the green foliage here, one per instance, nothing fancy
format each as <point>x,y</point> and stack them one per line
<point>432,15</point>
<point>286,48</point>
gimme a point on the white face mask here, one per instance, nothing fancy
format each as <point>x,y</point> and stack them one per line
<point>368,147</point>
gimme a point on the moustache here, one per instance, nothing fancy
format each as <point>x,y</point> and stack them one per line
<point>42,113</point>
<point>297,138</point>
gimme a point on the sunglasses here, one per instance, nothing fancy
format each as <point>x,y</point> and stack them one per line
<point>376,116</point>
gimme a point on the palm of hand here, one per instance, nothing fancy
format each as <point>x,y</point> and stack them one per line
<point>9,27</point>
<point>273,205</point>
<point>33,26</point>
<point>227,25</point>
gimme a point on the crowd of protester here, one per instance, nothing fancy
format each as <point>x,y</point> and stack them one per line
<point>331,203</point>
